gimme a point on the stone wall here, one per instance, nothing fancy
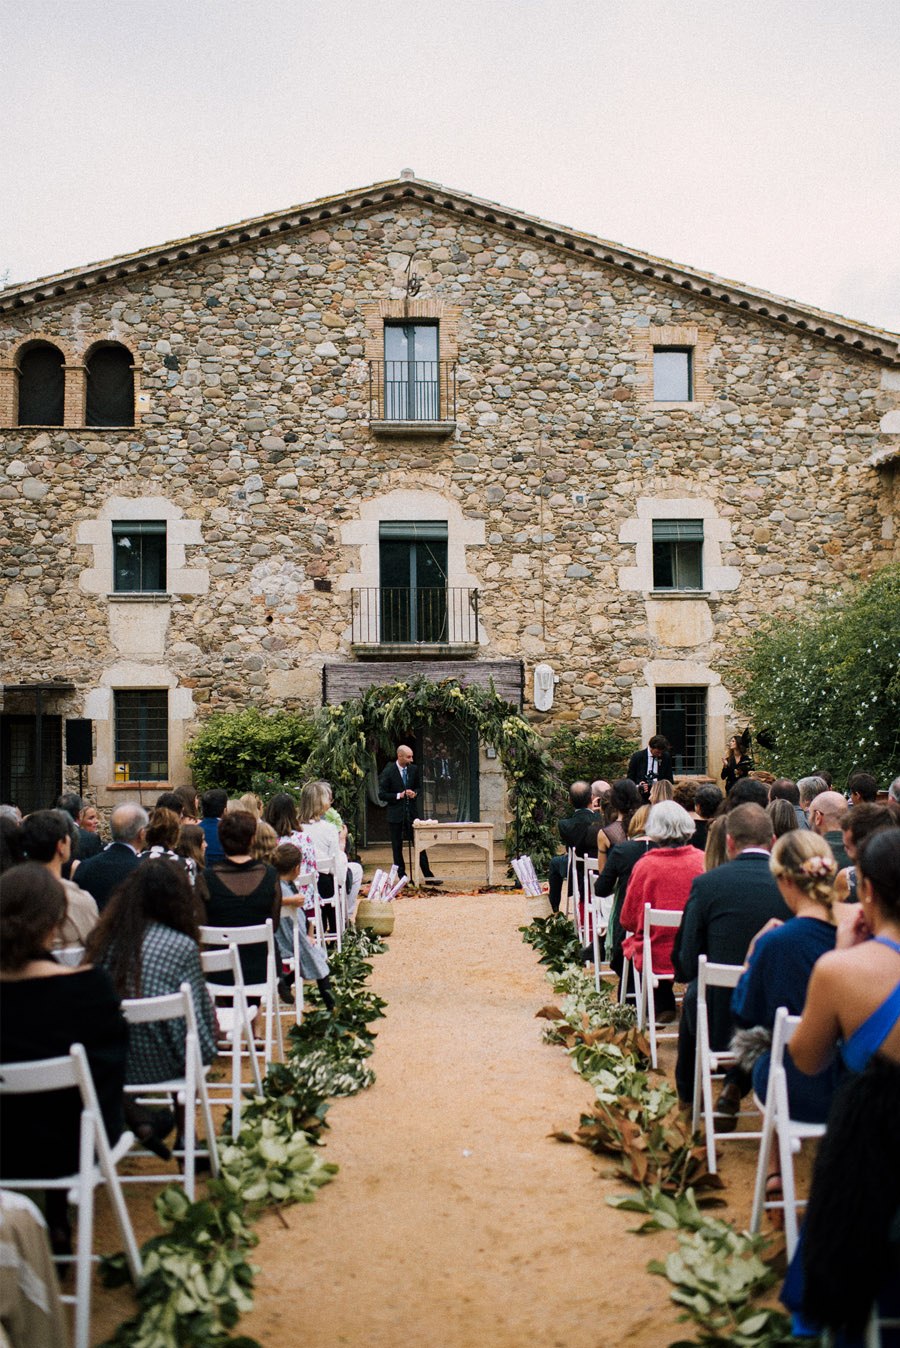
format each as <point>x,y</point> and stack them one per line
<point>254,444</point>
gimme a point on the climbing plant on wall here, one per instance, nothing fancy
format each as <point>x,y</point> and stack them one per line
<point>349,735</point>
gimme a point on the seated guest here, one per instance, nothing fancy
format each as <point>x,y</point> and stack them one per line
<point>706,803</point>
<point>856,825</point>
<point>90,820</point>
<point>825,815</point>
<point>288,862</point>
<point>573,830</point>
<point>747,791</point>
<point>862,788</point>
<point>727,906</point>
<point>281,814</point>
<point>780,962</point>
<point>212,805</point>
<point>88,842</point>
<point>102,874</point>
<point>624,800</point>
<point>147,940</point>
<point>242,891</point>
<point>846,1257</point>
<point>251,802</point>
<point>190,805</point>
<point>662,878</point>
<point>161,839</point>
<point>48,836</point>
<point>685,794</point>
<point>660,791</point>
<point>784,789</point>
<point>781,813</point>
<point>330,842</point>
<point>10,842</point>
<point>809,788</point>
<point>715,852</point>
<point>613,880</point>
<point>44,1009</point>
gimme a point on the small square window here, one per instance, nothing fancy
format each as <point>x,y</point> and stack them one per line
<point>678,554</point>
<point>142,734</point>
<point>673,374</point>
<point>681,717</point>
<point>139,556</point>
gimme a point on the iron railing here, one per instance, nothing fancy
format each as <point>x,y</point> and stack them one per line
<point>400,616</point>
<point>412,390</point>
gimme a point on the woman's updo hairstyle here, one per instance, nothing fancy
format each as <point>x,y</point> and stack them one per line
<point>163,828</point>
<point>804,858</point>
<point>879,861</point>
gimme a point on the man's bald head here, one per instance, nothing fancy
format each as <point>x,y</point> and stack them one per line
<point>826,811</point>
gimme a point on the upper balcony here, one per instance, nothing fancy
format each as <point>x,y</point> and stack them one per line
<point>392,621</point>
<point>412,398</point>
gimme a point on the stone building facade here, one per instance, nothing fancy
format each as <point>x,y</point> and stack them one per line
<point>606,464</point>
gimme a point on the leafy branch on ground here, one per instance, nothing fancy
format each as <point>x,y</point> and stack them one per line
<point>197,1278</point>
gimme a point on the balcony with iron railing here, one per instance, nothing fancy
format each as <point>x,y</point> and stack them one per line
<point>412,397</point>
<point>388,621</point>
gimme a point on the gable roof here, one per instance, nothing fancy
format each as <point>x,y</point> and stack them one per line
<point>862,337</point>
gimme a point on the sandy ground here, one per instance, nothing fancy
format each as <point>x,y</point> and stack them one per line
<point>455,1220</point>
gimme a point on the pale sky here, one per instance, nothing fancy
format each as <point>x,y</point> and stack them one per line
<point>759,139</point>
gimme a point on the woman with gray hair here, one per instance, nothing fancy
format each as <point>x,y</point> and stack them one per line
<point>662,878</point>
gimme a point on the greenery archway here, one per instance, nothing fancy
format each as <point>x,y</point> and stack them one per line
<point>349,734</point>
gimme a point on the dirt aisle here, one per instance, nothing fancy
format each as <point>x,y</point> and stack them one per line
<point>454,1220</point>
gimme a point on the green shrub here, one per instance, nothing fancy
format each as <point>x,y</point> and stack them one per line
<point>231,747</point>
<point>826,684</point>
<point>602,753</point>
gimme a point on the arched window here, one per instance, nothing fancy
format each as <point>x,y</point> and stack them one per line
<point>42,385</point>
<point>110,387</point>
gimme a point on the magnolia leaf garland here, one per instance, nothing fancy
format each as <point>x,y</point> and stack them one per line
<point>198,1280</point>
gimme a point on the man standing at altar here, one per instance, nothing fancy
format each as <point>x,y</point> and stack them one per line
<point>398,789</point>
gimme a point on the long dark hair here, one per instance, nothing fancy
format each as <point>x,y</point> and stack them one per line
<point>155,891</point>
<point>624,799</point>
<point>32,906</point>
<point>281,813</point>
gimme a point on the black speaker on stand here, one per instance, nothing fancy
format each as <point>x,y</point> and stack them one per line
<point>80,747</point>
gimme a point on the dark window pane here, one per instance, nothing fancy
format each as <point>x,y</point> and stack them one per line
<point>413,586</point>
<point>19,761</point>
<point>411,372</point>
<point>42,386</point>
<point>688,566</point>
<point>681,717</point>
<point>671,375</point>
<point>678,554</point>
<point>110,388</point>
<point>663,566</point>
<point>139,556</point>
<point>142,734</point>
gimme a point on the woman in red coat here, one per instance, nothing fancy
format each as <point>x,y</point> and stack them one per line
<point>662,878</point>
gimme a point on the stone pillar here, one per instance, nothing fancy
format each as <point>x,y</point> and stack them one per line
<point>9,395</point>
<point>76,389</point>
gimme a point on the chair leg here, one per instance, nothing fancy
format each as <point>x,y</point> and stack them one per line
<point>762,1166</point>
<point>85,1237</point>
<point>190,1129</point>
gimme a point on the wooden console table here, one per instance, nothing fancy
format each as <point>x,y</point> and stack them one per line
<point>456,835</point>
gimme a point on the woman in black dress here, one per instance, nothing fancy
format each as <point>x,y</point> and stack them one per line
<point>738,762</point>
<point>242,891</point>
<point>46,1007</point>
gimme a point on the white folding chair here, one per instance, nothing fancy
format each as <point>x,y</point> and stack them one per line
<point>709,1064</point>
<point>590,869</point>
<point>261,933</point>
<point>789,1135</point>
<point>574,908</point>
<point>632,972</point>
<point>650,979</point>
<point>236,1027</point>
<point>97,1162</point>
<point>189,1088</point>
<point>338,902</point>
<point>876,1324</point>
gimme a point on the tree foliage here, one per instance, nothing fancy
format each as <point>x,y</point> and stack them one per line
<point>827,684</point>
<point>602,753</point>
<point>231,747</point>
<point>349,735</point>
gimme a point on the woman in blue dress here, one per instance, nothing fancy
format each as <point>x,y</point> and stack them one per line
<point>849,1252</point>
<point>780,961</point>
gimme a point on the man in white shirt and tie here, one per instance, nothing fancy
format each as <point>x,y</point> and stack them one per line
<point>398,788</point>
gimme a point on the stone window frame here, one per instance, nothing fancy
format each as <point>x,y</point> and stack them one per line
<point>638,530</point>
<point>116,731</point>
<point>431,309</point>
<point>659,674</point>
<point>99,703</point>
<point>75,375</point>
<point>689,336</point>
<point>401,506</point>
<point>181,533</point>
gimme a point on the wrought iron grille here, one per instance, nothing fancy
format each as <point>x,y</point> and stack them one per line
<point>400,616</point>
<point>681,717</point>
<point>142,734</point>
<point>412,390</point>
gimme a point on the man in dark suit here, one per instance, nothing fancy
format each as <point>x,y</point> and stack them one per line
<point>102,874</point>
<point>653,764</point>
<point>727,906</point>
<point>398,789</point>
<point>573,831</point>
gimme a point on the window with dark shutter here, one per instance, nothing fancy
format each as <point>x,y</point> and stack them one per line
<point>42,386</point>
<point>110,387</point>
